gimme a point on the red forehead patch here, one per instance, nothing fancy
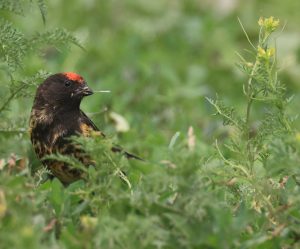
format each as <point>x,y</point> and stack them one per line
<point>74,77</point>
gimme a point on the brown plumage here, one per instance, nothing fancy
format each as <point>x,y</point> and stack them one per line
<point>56,116</point>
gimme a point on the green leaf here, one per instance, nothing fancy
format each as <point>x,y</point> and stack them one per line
<point>56,196</point>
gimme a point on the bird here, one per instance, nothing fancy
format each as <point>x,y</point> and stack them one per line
<point>55,117</point>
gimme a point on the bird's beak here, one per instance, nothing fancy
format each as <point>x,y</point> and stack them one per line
<point>86,91</point>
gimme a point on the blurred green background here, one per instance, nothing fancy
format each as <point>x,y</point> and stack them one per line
<point>159,59</point>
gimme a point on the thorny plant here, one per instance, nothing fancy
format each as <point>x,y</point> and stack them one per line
<point>252,145</point>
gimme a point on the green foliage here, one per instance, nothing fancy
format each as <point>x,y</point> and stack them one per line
<point>159,59</point>
<point>16,45</point>
<point>252,150</point>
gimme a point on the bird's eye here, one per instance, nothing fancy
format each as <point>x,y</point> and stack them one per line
<point>67,83</point>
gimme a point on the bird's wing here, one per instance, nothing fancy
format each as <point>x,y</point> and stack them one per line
<point>88,126</point>
<point>86,120</point>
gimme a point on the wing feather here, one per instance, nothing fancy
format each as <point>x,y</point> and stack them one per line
<point>89,126</point>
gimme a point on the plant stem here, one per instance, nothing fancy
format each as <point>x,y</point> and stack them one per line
<point>248,112</point>
<point>12,95</point>
<point>239,167</point>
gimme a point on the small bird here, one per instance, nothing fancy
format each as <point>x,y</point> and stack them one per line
<point>55,116</point>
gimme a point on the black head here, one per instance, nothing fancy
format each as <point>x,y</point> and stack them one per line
<point>62,90</point>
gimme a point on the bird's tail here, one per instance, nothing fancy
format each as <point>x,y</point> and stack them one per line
<point>127,154</point>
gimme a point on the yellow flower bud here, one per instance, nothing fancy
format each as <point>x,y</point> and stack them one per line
<point>265,54</point>
<point>269,24</point>
<point>261,52</point>
<point>88,222</point>
<point>261,21</point>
